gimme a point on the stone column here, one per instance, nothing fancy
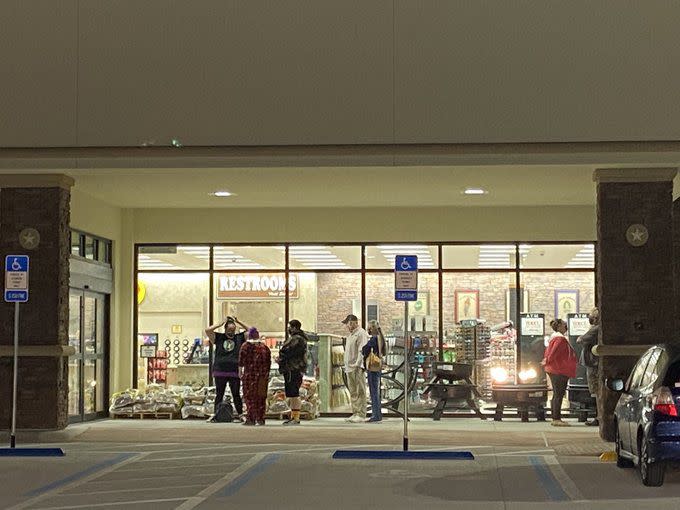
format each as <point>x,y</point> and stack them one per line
<point>634,269</point>
<point>676,258</point>
<point>40,202</point>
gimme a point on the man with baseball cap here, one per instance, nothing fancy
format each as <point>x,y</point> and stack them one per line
<point>354,362</point>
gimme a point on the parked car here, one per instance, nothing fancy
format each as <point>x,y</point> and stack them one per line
<point>647,420</point>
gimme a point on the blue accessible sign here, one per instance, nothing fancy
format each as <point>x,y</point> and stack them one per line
<point>406,278</point>
<point>16,278</point>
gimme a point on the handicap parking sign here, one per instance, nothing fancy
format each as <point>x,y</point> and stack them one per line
<point>16,278</point>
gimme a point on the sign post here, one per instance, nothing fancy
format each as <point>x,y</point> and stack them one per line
<point>16,291</point>
<point>406,289</point>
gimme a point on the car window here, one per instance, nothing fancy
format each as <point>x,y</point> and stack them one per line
<point>638,371</point>
<point>672,378</point>
<point>652,371</point>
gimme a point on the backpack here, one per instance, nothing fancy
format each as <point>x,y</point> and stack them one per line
<point>224,413</point>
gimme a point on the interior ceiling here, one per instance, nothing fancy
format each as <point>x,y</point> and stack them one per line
<point>308,257</point>
<point>340,186</point>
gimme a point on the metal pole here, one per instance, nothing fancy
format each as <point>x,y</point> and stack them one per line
<point>407,369</point>
<point>13,438</point>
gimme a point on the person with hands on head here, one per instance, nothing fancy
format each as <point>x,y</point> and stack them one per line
<point>354,368</point>
<point>225,365</point>
<point>560,365</point>
<point>376,346</point>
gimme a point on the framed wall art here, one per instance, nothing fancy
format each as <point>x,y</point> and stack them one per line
<point>566,301</point>
<point>466,304</point>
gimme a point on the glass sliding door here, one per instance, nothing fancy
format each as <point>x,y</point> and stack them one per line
<point>88,332</point>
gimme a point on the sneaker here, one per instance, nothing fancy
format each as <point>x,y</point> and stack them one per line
<point>593,423</point>
<point>249,423</point>
<point>211,419</point>
<point>560,423</point>
<point>357,419</point>
<point>291,422</point>
<point>260,423</point>
<point>372,420</point>
<point>349,420</point>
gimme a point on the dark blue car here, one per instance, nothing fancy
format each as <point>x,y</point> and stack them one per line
<point>646,416</point>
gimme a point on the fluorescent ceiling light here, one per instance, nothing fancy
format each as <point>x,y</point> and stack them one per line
<point>144,257</point>
<point>222,193</point>
<point>401,246</point>
<point>475,191</point>
<point>307,248</point>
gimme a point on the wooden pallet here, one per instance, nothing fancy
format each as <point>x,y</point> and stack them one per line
<point>147,416</point>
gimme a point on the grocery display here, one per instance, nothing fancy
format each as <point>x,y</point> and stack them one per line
<point>156,399</point>
<point>278,405</point>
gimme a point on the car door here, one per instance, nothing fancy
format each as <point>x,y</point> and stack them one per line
<point>628,399</point>
<point>650,382</point>
<point>639,396</point>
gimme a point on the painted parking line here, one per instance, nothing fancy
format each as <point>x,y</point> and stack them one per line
<point>194,501</point>
<point>81,474</point>
<point>118,503</point>
<point>550,484</point>
<point>76,479</point>
<point>238,483</point>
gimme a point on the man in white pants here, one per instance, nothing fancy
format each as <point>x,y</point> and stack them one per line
<point>354,368</point>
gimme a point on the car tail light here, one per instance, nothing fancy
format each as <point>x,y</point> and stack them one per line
<point>662,401</point>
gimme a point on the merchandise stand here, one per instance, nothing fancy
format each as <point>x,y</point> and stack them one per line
<point>458,387</point>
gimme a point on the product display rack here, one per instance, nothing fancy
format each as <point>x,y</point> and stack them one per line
<point>157,368</point>
<point>471,344</point>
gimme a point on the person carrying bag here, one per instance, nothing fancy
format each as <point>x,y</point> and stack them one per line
<point>373,363</point>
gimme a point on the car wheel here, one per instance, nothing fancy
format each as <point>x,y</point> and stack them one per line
<point>652,474</point>
<point>620,461</point>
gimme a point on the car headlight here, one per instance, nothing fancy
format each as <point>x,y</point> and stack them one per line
<point>499,374</point>
<point>527,375</point>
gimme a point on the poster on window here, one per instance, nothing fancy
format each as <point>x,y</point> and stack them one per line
<point>532,324</point>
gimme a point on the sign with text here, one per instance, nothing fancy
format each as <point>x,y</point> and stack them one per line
<point>532,324</point>
<point>406,278</point>
<point>256,286</point>
<point>578,324</point>
<point>16,278</point>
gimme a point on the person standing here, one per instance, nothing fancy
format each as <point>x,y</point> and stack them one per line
<point>292,364</point>
<point>225,364</point>
<point>254,362</point>
<point>588,340</point>
<point>354,361</point>
<point>560,365</point>
<point>376,346</point>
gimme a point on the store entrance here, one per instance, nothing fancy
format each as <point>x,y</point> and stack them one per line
<point>88,367</point>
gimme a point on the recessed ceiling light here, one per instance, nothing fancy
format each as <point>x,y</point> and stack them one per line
<point>475,191</point>
<point>222,194</point>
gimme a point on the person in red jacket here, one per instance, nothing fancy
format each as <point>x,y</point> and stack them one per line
<point>560,364</point>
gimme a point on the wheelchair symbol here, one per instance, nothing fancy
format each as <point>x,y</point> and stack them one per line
<point>405,265</point>
<point>15,265</point>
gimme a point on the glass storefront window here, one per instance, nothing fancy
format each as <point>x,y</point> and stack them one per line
<point>423,327</point>
<point>552,256</point>
<point>483,256</point>
<point>74,361</point>
<point>488,298</point>
<point>382,256</point>
<point>172,316</point>
<point>76,244</point>
<point>322,302</point>
<point>249,257</point>
<point>306,257</point>
<point>557,294</point>
<point>172,257</point>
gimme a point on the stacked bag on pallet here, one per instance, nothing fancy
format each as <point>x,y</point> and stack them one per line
<point>278,404</point>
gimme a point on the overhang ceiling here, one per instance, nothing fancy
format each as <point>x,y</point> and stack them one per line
<point>537,185</point>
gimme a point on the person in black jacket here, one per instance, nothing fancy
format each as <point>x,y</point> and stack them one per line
<point>225,364</point>
<point>588,340</point>
<point>292,364</point>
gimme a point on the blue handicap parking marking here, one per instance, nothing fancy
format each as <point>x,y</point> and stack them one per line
<point>16,263</point>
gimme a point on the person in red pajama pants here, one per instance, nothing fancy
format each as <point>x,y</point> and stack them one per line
<point>254,361</point>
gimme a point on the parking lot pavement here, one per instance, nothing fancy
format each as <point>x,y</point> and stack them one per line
<point>304,476</point>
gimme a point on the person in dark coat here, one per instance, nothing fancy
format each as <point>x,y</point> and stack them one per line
<point>292,365</point>
<point>588,340</point>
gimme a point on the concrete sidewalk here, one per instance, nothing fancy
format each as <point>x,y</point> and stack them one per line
<point>575,440</point>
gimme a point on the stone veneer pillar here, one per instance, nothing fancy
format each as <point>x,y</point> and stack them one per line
<point>41,202</point>
<point>635,283</point>
<point>676,258</point>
